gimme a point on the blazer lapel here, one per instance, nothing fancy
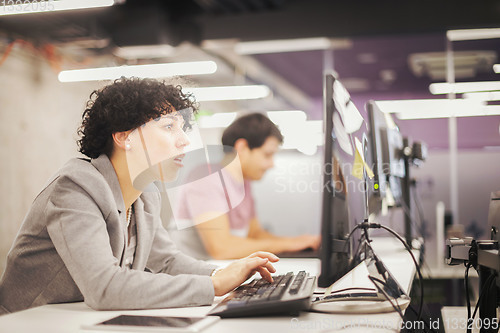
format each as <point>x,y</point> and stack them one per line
<point>104,166</point>
<point>145,234</point>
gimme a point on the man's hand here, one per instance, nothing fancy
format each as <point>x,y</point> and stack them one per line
<point>240,270</point>
<point>304,242</point>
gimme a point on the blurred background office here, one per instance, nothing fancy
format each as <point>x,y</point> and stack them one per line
<point>381,50</point>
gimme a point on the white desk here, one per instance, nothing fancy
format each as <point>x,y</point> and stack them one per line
<point>68,318</point>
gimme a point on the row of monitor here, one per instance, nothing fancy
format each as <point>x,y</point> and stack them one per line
<point>348,199</point>
<point>350,196</point>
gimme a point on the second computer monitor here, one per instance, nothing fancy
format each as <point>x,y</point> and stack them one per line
<point>387,154</point>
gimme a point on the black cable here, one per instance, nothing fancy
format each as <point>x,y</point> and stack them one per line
<point>356,253</point>
<point>420,210</point>
<point>352,288</point>
<point>467,298</point>
<point>382,291</point>
<point>420,229</point>
<point>342,290</point>
<point>487,286</point>
<point>356,227</point>
<point>423,223</point>
<point>425,266</point>
<point>398,308</point>
<point>364,238</point>
<point>419,273</point>
<point>367,225</point>
<point>419,205</point>
<point>417,227</point>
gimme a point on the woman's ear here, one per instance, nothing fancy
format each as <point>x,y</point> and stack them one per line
<point>241,145</point>
<point>122,140</point>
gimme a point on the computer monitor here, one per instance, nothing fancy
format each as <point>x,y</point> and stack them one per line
<point>344,195</point>
<point>388,160</point>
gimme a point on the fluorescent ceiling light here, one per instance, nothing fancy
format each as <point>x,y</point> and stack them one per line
<point>287,118</point>
<point>152,71</point>
<point>298,132</point>
<point>483,96</point>
<point>472,34</point>
<point>229,92</point>
<point>436,108</point>
<point>291,45</point>
<point>463,87</point>
<point>31,7</point>
<point>217,120</point>
<point>496,68</point>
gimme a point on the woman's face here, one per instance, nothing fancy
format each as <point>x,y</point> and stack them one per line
<point>158,147</point>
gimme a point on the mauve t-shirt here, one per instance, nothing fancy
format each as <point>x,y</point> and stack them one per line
<point>214,195</point>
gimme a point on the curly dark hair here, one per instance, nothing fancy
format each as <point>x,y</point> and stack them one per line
<point>126,104</point>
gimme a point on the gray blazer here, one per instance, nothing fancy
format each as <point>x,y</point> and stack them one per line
<point>71,245</point>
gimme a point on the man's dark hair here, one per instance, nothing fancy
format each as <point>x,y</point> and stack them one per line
<point>255,128</point>
<point>126,104</point>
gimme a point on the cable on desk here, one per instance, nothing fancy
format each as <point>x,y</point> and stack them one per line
<point>352,288</point>
<point>367,225</point>
<point>419,273</point>
<point>382,291</point>
<point>396,307</point>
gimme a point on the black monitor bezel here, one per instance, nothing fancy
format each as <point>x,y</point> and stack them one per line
<point>335,248</point>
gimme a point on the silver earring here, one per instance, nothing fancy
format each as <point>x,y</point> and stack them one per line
<point>127,146</point>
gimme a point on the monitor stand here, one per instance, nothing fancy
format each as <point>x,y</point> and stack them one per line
<point>367,288</point>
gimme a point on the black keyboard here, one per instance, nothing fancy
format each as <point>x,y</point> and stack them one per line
<point>287,294</point>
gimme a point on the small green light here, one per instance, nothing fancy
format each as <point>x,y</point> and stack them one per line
<point>375,186</point>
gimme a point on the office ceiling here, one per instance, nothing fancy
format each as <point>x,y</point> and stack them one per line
<point>395,48</point>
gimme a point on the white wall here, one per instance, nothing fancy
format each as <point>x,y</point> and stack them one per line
<point>288,198</point>
<point>38,121</point>
<point>478,176</point>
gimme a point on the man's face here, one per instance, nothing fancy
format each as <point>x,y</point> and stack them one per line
<point>255,162</point>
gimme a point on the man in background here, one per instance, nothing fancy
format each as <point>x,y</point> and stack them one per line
<point>235,232</point>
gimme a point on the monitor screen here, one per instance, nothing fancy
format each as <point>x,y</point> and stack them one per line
<point>387,155</point>
<point>344,201</point>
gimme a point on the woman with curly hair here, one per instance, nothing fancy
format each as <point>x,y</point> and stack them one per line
<point>91,235</point>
